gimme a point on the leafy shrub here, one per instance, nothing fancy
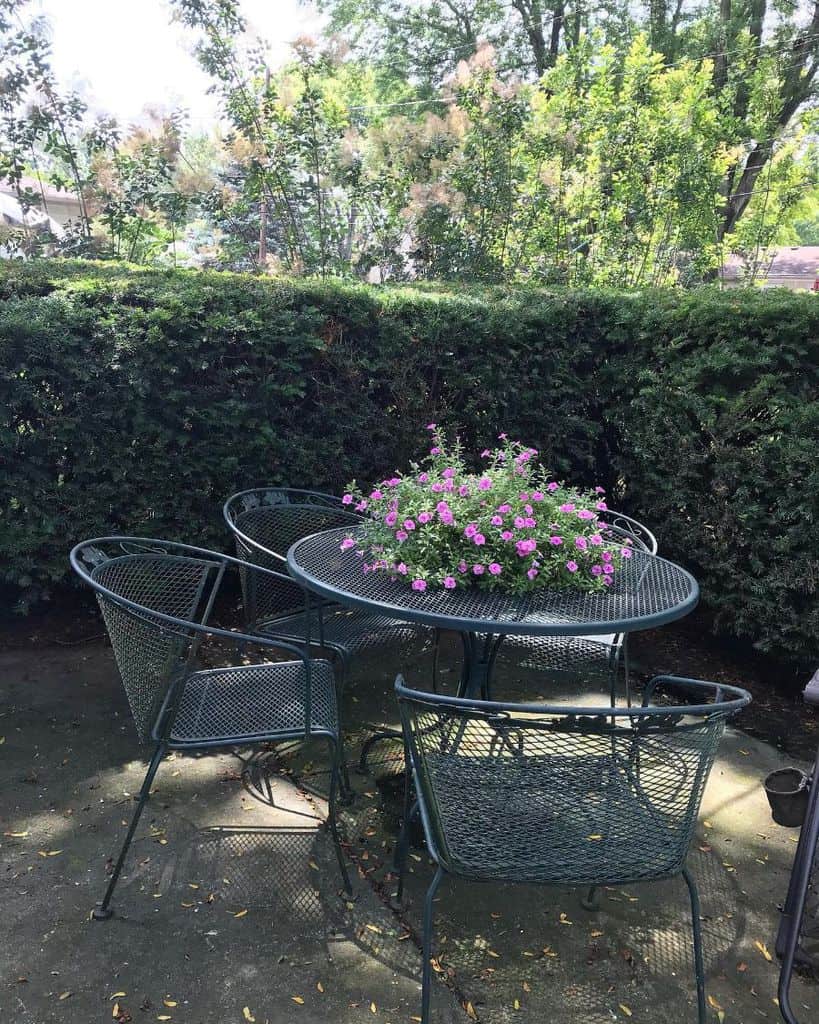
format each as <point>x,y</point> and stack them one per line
<point>136,401</point>
<point>506,527</point>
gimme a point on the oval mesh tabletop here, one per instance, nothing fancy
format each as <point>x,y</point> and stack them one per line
<point>647,591</point>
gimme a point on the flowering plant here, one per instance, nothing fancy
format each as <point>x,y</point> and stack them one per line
<point>509,527</point>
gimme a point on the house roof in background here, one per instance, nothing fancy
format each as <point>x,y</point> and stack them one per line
<point>787,261</point>
<point>41,188</point>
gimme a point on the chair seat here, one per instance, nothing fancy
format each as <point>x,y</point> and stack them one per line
<point>563,653</point>
<point>253,703</point>
<point>558,820</point>
<point>347,629</point>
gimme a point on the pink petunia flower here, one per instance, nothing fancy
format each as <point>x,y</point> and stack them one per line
<point>507,535</point>
<point>600,490</point>
<point>626,552</point>
<point>462,566</point>
<point>484,484</point>
<point>608,568</point>
<point>435,450</point>
<point>552,487</point>
<point>401,568</point>
<point>471,530</point>
<point>448,472</point>
<point>478,569</point>
<point>361,505</point>
<point>347,499</point>
<point>390,518</point>
<point>520,522</point>
<point>436,488</point>
<point>497,520</point>
<point>602,506</point>
<point>479,539</point>
<point>431,426</point>
<point>424,517</point>
<point>596,539</point>
<point>419,584</point>
<point>376,495</point>
<point>409,524</point>
<point>566,507</point>
<point>596,570</point>
<point>463,490</point>
<point>606,556</point>
<point>485,453</point>
<point>584,513</point>
<point>401,535</point>
<point>581,542</point>
<point>537,495</point>
<point>495,569</point>
<point>531,573</point>
<point>503,509</point>
<point>449,582</point>
<point>423,478</point>
<point>557,541</point>
<point>572,566</point>
<point>347,543</point>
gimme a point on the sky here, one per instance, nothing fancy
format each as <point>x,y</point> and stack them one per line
<point>125,54</point>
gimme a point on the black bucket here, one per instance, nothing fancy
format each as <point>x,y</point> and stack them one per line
<point>788,790</point>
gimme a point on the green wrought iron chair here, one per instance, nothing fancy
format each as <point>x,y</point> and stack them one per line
<point>157,599</point>
<point>265,522</point>
<point>559,795</point>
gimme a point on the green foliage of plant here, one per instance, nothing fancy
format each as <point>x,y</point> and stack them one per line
<point>136,401</point>
<point>505,526</point>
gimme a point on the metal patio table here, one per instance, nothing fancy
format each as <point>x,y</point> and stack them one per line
<point>648,591</point>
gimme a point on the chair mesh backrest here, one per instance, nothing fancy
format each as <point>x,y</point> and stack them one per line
<point>625,527</point>
<point>150,653</point>
<point>273,519</point>
<point>559,799</point>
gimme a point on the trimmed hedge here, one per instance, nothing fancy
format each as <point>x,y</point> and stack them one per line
<point>136,401</point>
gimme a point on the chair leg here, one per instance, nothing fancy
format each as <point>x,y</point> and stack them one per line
<point>699,970</point>
<point>103,911</point>
<point>426,971</point>
<point>402,849</point>
<point>346,794</point>
<point>591,899</point>
<point>335,749</point>
<point>436,657</point>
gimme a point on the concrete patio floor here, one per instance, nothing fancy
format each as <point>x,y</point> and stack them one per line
<point>230,907</point>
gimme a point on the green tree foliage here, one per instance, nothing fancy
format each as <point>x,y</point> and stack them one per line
<point>130,203</point>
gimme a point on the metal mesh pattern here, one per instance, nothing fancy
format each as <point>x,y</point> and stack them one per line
<point>149,653</point>
<point>266,522</point>
<point>647,591</point>
<point>349,629</point>
<point>573,655</point>
<point>251,702</point>
<point>562,800</point>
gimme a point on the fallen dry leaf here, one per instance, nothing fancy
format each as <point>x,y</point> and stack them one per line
<point>247,1014</point>
<point>763,949</point>
<point>470,1011</point>
<point>373,1008</point>
<point>169,1002</point>
<point>527,987</point>
<point>713,1003</point>
<point>115,1010</point>
<point>594,838</point>
<point>319,986</point>
<point>516,1004</point>
<point>626,1009</point>
<point>241,913</point>
<point>65,995</point>
<point>118,995</point>
<point>564,919</point>
<point>298,999</point>
<point>16,835</point>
